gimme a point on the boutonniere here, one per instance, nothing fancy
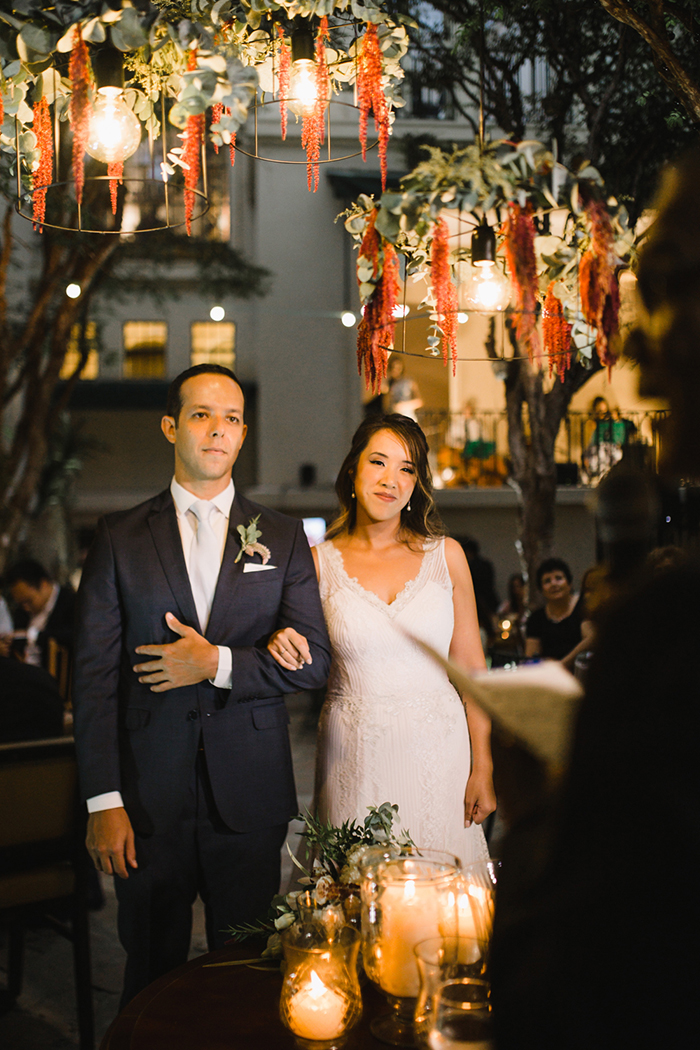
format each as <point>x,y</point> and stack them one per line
<point>250,535</point>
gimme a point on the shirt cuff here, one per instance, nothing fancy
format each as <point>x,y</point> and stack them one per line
<point>224,672</point>
<point>110,800</point>
<point>32,634</point>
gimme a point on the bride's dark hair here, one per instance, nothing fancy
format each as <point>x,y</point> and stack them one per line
<point>423,518</point>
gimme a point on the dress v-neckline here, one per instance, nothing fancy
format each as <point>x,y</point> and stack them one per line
<point>401,596</point>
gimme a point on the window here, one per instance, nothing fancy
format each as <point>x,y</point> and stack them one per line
<point>213,343</point>
<point>144,349</point>
<point>91,368</point>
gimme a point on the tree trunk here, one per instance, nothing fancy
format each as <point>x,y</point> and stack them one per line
<point>535,415</point>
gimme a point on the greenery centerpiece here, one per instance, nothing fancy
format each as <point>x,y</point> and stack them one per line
<point>332,875</point>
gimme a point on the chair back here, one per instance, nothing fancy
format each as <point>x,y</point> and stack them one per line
<point>38,804</point>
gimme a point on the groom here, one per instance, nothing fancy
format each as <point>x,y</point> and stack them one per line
<point>184,759</point>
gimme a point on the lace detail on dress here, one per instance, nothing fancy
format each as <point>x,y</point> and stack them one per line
<point>393,729</point>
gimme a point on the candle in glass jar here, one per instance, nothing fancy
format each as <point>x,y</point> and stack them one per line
<point>316,1011</point>
<point>410,914</point>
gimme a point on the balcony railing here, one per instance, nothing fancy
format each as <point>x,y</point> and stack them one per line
<point>472,449</point>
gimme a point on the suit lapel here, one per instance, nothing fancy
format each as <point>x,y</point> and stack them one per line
<point>229,574</point>
<point>166,537</point>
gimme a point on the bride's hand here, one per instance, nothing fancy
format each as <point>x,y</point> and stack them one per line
<point>290,649</point>
<point>479,799</point>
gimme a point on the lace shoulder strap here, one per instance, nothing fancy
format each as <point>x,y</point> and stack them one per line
<point>436,568</point>
<point>329,579</point>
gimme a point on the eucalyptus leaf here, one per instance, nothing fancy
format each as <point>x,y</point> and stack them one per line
<point>128,34</point>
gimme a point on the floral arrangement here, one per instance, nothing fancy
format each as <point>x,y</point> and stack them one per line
<point>334,874</point>
<point>205,55</point>
<point>559,235</point>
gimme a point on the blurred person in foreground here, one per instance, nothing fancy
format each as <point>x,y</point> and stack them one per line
<point>595,936</point>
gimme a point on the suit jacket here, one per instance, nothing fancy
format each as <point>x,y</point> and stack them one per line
<point>144,744</point>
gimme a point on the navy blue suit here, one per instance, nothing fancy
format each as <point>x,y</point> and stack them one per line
<point>195,752</point>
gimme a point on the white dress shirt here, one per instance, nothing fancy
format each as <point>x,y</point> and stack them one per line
<point>187,524</point>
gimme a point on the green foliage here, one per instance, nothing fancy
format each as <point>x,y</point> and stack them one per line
<point>591,72</point>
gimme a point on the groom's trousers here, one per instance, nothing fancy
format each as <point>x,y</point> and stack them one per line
<point>236,875</point>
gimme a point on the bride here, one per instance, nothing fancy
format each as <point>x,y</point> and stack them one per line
<point>392,727</point>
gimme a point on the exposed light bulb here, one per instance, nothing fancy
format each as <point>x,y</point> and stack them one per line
<point>483,288</point>
<point>115,132</point>
<point>73,291</point>
<point>302,88</point>
<point>348,318</point>
<point>217,313</point>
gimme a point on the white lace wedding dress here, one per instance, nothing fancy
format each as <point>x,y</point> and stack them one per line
<point>392,728</point>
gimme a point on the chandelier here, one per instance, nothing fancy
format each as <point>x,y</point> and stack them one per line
<point>103,101</point>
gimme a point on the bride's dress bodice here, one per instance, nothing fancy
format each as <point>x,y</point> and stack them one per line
<point>373,651</point>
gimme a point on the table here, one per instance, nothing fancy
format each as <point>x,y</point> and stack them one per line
<point>200,1007</point>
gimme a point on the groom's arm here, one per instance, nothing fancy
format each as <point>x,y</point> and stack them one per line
<point>255,673</point>
<point>110,838</point>
<point>252,672</point>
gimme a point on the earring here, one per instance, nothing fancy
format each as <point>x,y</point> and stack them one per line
<point>408,506</point>
<point>353,492</point>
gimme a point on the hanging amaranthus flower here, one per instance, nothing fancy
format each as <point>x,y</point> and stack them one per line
<point>115,170</point>
<point>444,291</point>
<point>519,230</point>
<point>370,95</point>
<point>556,334</point>
<point>217,111</point>
<point>313,125</point>
<point>41,178</point>
<point>375,332</point>
<point>194,134</point>
<point>192,144</point>
<point>79,110</point>
<point>598,287</point>
<point>284,79</point>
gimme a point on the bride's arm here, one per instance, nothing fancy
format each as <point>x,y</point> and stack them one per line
<point>289,648</point>
<point>465,649</point>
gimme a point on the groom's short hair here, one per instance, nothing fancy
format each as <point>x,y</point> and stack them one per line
<point>173,405</point>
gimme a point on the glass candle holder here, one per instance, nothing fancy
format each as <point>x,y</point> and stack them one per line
<point>477,895</point>
<point>443,959</point>
<point>462,1017</point>
<point>321,997</point>
<point>407,900</point>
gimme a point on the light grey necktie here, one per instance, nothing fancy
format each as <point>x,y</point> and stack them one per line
<point>205,561</point>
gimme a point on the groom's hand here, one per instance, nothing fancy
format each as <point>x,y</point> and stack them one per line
<point>110,841</point>
<point>189,660</point>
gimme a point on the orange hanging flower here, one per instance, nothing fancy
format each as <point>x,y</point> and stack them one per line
<point>556,334</point>
<point>519,230</point>
<point>41,178</point>
<point>193,137</point>
<point>79,109</point>
<point>217,111</point>
<point>598,287</point>
<point>444,291</point>
<point>313,126</point>
<point>375,332</point>
<point>115,170</point>
<point>284,80</point>
<point>232,148</point>
<point>194,134</point>
<point>370,95</point>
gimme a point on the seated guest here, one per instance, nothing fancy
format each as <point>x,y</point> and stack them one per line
<point>44,610</point>
<point>554,631</point>
<point>31,707</point>
<point>6,627</point>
